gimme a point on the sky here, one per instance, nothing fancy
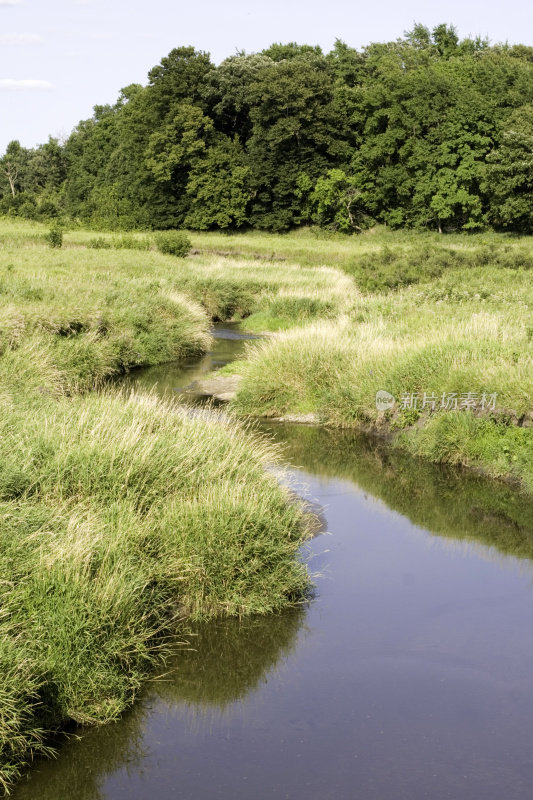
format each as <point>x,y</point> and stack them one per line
<point>58,58</point>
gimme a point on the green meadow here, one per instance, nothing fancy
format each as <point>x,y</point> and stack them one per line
<point>124,517</point>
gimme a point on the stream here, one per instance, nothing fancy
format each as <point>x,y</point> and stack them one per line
<point>409,675</point>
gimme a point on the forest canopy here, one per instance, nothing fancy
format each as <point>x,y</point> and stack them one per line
<point>427,132</point>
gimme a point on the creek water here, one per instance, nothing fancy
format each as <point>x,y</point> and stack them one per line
<point>409,675</point>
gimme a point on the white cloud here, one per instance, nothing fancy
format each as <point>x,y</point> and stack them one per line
<point>102,35</point>
<point>9,2</point>
<point>11,83</point>
<point>19,39</point>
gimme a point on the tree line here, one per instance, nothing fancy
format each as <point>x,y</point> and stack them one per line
<point>428,132</point>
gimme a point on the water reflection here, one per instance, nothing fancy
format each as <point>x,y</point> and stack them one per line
<point>444,500</point>
<point>412,678</point>
<point>170,380</point>
<point>229,658</point>
<point>222,663</point>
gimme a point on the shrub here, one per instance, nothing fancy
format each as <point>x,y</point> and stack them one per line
<point>173,243</point>
<point>54,237</point>
<point>47,209</point>
<point>130,242</point>
<point>99,243</point>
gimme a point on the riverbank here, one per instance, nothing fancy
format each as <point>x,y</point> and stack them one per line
<point>122,517</point>
<point>428,570</point>
<point>454,357</point>
<point>452,345</point>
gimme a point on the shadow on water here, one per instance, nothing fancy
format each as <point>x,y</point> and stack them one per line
<point>222,663</point>
<point>170,380</point>
<point>443,500</point>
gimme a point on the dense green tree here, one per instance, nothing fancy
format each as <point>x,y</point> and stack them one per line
<point>46,168</point>
<point>87,152</point>
<point>178,78</point>
<point>284,52</point>
<point>13,167</point>
<point>510,174</point>
<point>297,128</point>
<point>446,40</point>
<point>174,146</point>
<point>218,190</point>
<point>336,202</point>
<point>425,131</point>
<point>227,93</point>
<point>347,64</point>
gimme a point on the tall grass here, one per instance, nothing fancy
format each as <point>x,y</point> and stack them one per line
<point>79,287</point>
<point>379,259</point>
<point>465,332</point>
<point>121,518</point>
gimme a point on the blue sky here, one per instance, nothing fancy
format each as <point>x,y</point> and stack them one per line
<point>58,58</point>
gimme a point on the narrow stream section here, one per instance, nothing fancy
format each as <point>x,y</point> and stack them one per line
<point>409,676</point>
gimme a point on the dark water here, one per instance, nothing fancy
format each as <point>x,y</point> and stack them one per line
<point>171,379</point>
<point>409,676</point>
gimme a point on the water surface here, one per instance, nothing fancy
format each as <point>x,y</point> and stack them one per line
<point>171,380</point>
<point>408,676</point>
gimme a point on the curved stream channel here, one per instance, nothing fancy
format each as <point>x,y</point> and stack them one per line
<point>409,676</point>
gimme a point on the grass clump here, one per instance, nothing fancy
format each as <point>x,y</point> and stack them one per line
<point>121,518</point>
<point>173,243</point>
<point>131,242</point>
<point>390,268</point>
<point>466,332</point>
<point>99,243</point>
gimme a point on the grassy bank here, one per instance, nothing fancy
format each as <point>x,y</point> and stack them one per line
<point>468,331</point>
<point>121,517</point>
<point>80,289</point>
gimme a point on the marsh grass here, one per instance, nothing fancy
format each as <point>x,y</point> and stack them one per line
<point>124,516</point>
<point>464,332</point>
<point>78,288</point>
<point>121,517</point>
<point>379,259</point>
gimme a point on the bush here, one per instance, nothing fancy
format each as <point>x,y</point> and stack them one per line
<point>99,243</point>
<point>173,243</point>
<point>130,242</point>
<point>47,209</point>
<point>54,237</point>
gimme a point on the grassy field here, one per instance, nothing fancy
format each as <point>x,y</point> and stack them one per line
<point>463,339</point>
<point>123,517</point>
